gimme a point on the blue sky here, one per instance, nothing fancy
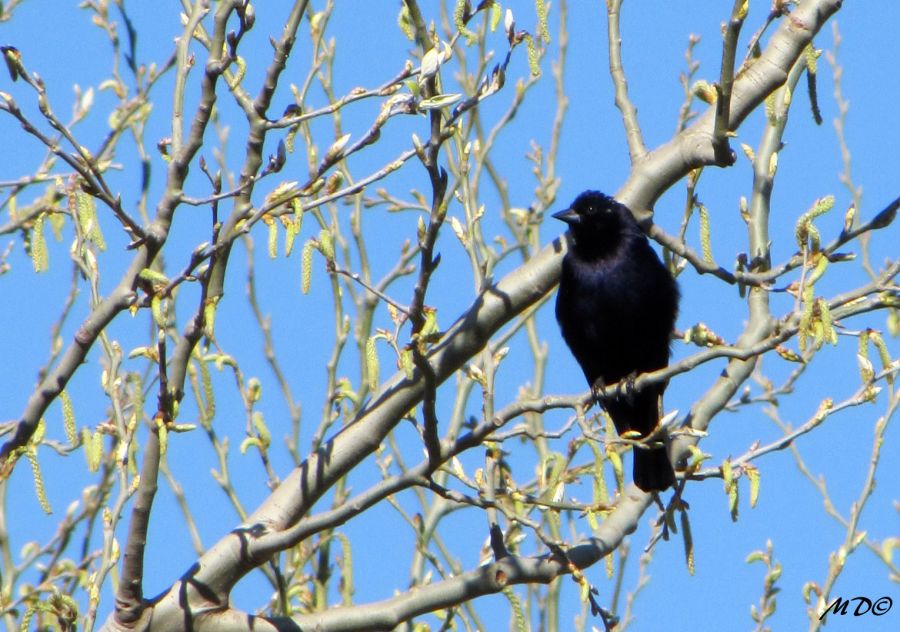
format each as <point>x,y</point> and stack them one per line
<point>64,49</point>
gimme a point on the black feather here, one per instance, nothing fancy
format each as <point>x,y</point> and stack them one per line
<point>616,308</point>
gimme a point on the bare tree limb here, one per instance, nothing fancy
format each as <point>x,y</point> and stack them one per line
<point>636,148</point>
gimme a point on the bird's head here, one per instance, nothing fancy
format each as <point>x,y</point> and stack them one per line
<point>597,221</point>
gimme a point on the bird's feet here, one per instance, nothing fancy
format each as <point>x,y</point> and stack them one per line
<point>624,390</point>
<point>628,390</point>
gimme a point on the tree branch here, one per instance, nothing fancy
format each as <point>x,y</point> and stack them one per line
<point>636,148</point>
<point>721,147</point>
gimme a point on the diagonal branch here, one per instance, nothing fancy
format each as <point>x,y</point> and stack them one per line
<point>485,580</point>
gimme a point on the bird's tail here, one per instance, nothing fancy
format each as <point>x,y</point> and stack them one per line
<point>652,470</point>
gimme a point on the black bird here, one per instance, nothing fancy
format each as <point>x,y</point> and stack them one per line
<point>616,308</point>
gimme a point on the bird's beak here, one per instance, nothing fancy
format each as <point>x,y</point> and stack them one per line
<point>569,216</point>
